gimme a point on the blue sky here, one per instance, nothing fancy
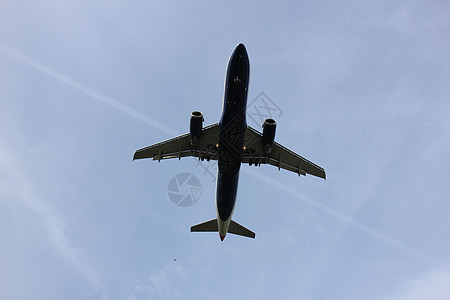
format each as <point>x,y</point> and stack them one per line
<point>364,91</point>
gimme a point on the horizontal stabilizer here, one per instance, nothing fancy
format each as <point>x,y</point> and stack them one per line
<point>235,228</point>
<point>206,226</point>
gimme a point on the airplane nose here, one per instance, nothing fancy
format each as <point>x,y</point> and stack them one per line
<point>240,49</point>
<point>221,237</point>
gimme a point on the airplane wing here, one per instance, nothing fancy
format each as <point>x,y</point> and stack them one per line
<point>180,146</point>
<point>280,156</point>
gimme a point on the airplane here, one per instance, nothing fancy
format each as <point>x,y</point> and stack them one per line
<point>231,142</point>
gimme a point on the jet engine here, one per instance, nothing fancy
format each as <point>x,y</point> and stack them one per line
<point>268,137</point>
<point>196,127</point>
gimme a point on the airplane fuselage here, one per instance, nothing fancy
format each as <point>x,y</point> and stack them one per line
<point>233,125</point>
<point>224,142</point>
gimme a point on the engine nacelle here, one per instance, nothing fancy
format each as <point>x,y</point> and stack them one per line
<point>196,127</point>
<point>268,137</point>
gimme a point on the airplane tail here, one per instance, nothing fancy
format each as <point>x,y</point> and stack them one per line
<point>206,226</point>
<point>212,226</point>
<point>235,228</point>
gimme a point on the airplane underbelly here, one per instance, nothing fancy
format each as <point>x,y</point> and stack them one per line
<point>227,185</point>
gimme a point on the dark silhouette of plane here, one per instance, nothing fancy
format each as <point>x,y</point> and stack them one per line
<point>231,142</point>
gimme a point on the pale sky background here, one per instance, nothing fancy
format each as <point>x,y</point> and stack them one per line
<point>364,89</point>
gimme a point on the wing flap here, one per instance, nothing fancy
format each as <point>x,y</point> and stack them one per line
<point>280,156</point>
<point>180,146</point>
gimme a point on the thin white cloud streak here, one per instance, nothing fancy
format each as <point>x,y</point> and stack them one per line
<point>158,125</point>
<point>343,217</point>
<point>14,185</point>
<point>433,285</point>
<point>158,286</point>
<point>95,94</point>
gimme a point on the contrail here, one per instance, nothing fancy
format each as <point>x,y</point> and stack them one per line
<point>341,216</point>
<point>95,94</point>
<point>17,188</point>
<point>13,53</point>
